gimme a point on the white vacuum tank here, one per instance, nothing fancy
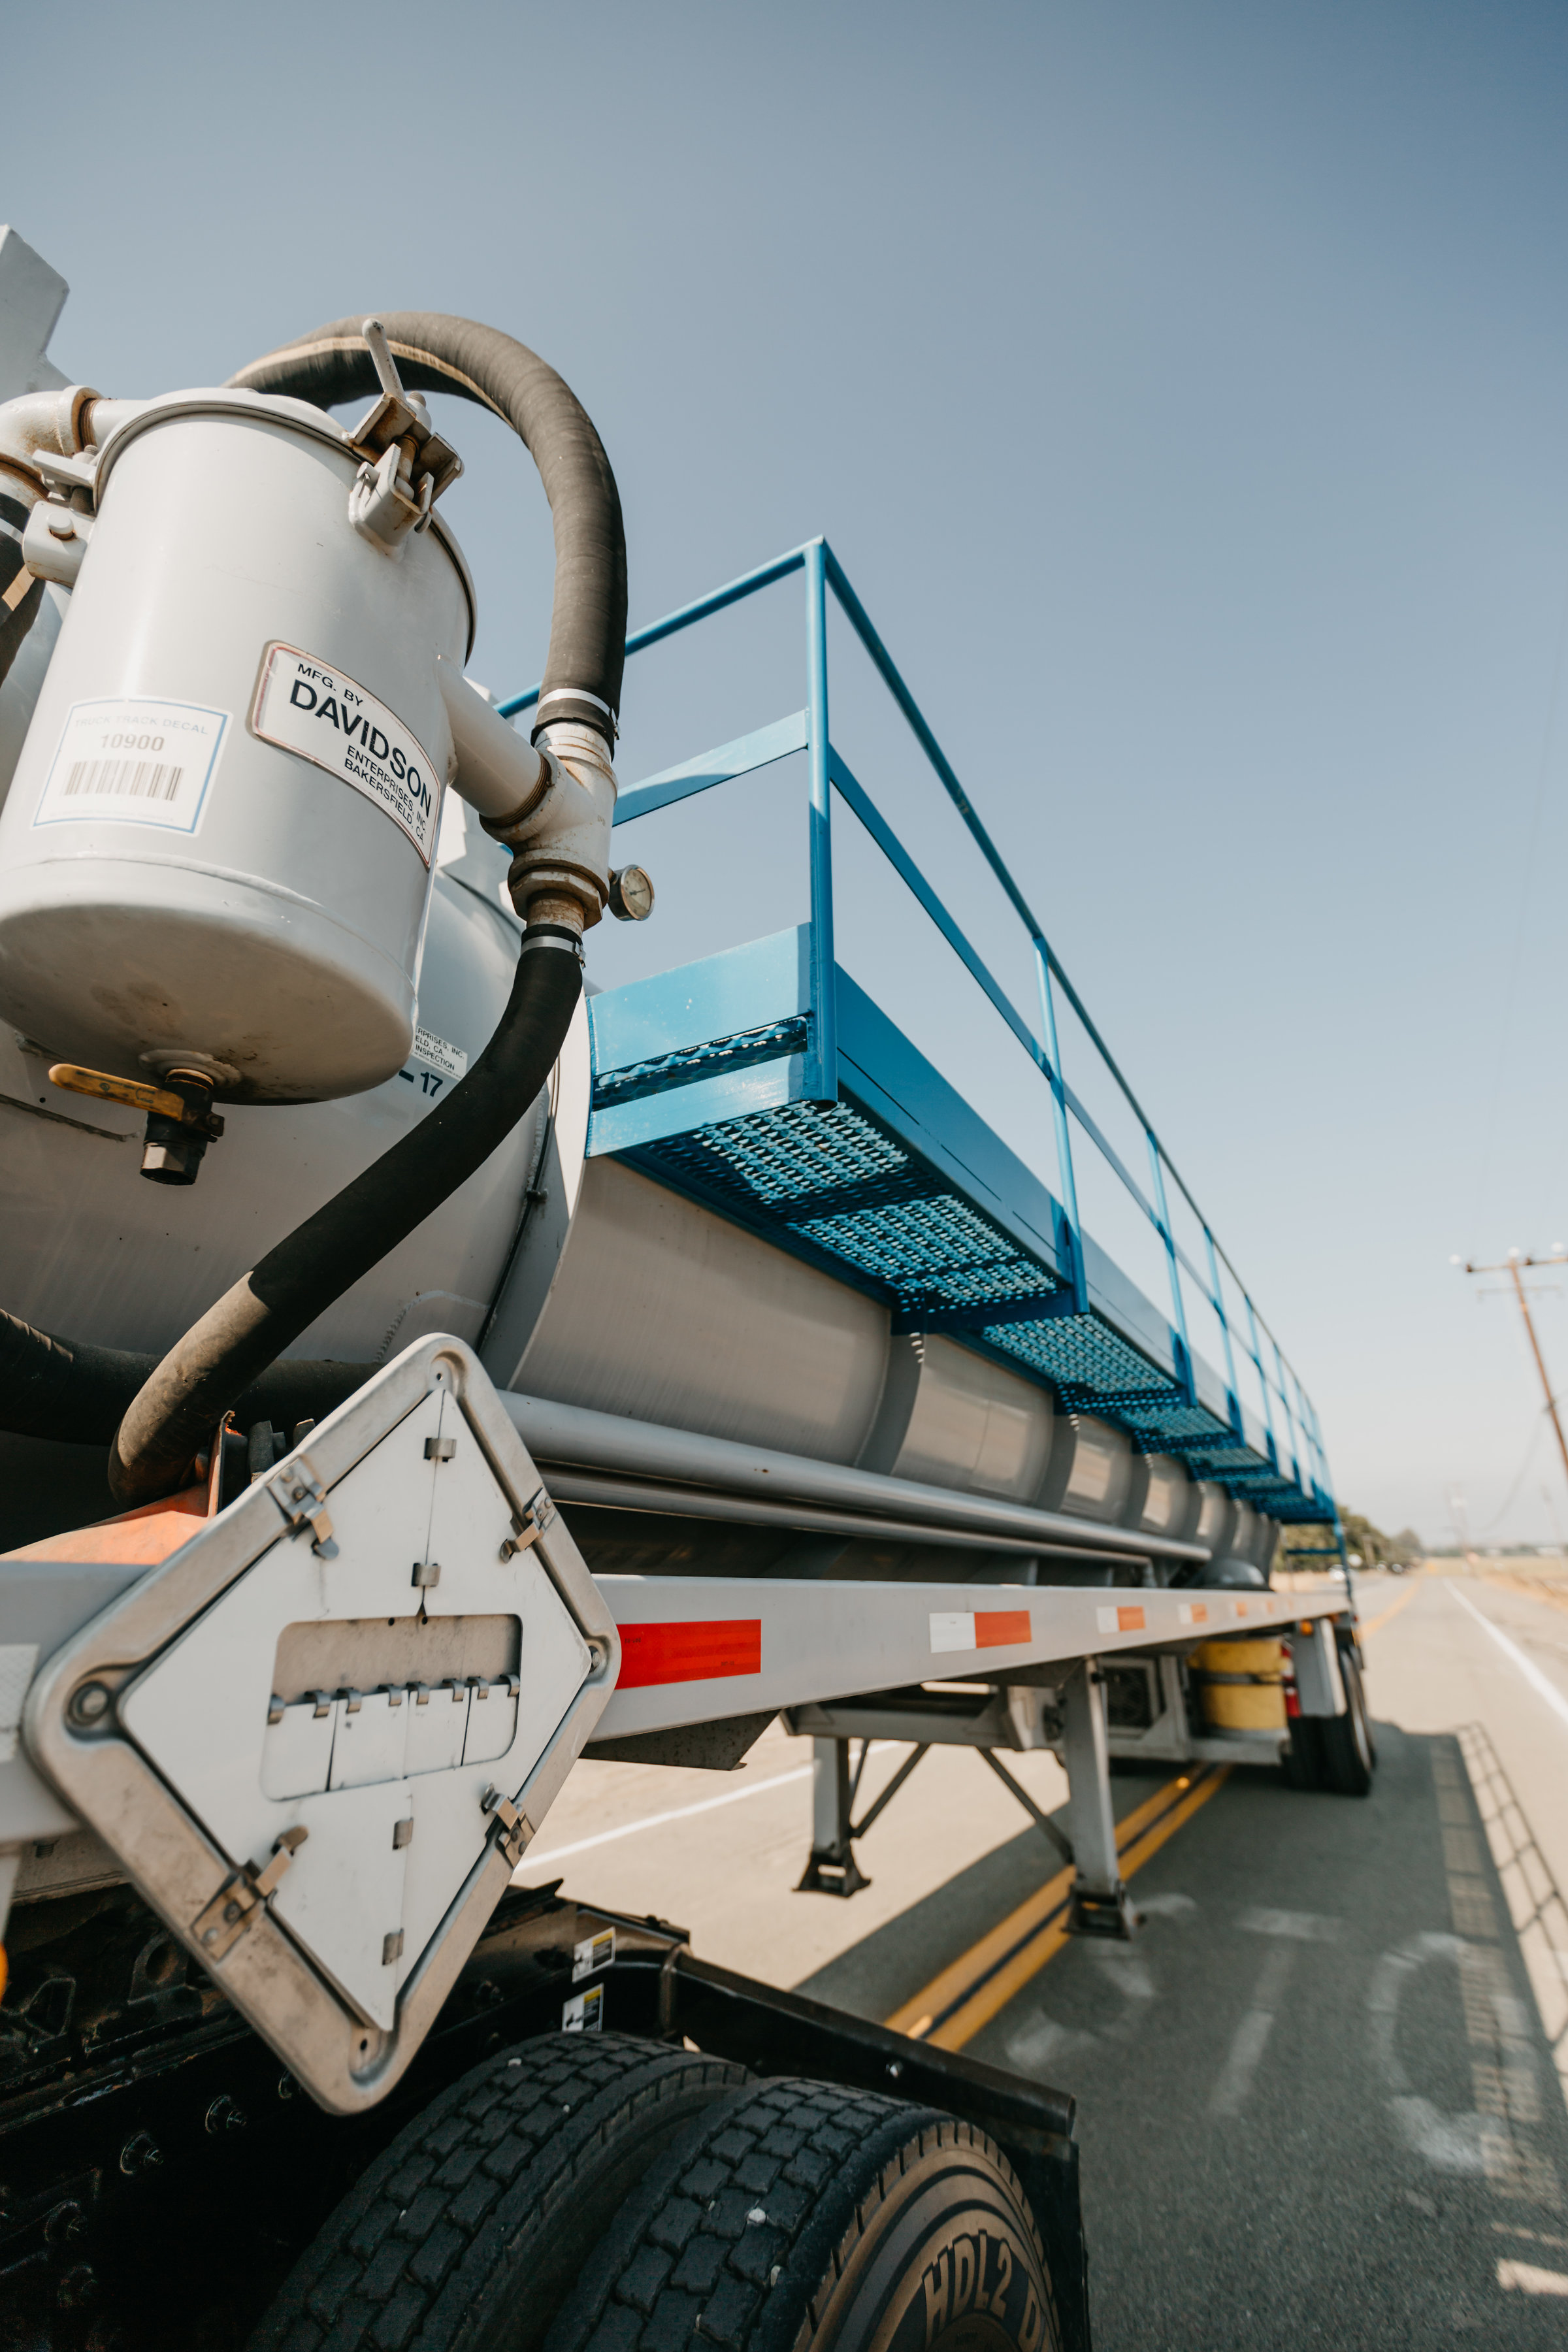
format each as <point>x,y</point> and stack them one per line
<point>216,852</point>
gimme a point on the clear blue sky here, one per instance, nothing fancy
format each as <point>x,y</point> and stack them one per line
<point>1185,389</point>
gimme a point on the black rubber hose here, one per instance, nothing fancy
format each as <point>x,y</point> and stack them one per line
<point>61,1389</point>
<point>438,353</point>
<point>173,1414</point>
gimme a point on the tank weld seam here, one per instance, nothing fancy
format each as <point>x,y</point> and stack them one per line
<point>58,1118</point>
<point>263,890</point>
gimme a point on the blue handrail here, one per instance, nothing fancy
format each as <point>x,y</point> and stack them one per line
<point>830,773</point>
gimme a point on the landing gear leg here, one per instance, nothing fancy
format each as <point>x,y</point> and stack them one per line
<point>1100,1904</point>
<point>832,1868</point>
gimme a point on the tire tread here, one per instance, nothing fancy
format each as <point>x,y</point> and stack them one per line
<point>405,2253</point>
<point>688,2259</point>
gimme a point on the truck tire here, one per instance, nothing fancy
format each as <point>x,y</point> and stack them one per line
<point>797,2217</point>
<point>465,2234</point>
<point>1303,1759</point>
<point>1348,1753</point>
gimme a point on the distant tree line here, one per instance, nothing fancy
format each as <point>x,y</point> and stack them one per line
<point>1375,1549</point>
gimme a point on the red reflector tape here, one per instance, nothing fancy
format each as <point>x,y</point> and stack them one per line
<point>994,1629</point>
<point>699,1651</point>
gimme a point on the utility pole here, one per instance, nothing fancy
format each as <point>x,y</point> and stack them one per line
<point>1459,1519</point>
<point>1511,1264</point>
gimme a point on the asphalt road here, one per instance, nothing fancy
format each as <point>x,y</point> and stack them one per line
<point>1323,2097</point>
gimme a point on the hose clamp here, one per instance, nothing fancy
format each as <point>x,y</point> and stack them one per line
<point>580,694</point>
<point>552,935</point>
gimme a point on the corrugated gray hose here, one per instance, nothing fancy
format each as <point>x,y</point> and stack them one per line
<point>176,1410</point>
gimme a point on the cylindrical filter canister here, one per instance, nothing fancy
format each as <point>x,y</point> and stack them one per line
<point>1241,1685</point>
<point>217,851</point>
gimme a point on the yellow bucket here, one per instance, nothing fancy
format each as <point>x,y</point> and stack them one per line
<point>1239,1684</point>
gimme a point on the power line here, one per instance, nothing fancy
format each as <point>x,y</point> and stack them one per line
<point>1512,1267</point>
<point>1538,1425</point>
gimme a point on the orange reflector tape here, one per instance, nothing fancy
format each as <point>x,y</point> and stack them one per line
<point>1120,1621</point>
<point>979,1628</point>
<point>996,1628</point>
<point>702,1651</point>
<point>1193,1613</point>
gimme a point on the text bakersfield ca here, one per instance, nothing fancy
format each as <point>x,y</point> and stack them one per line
<point>306,705</point>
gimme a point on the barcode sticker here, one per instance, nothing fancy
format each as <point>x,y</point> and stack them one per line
<point>127,762</point>
<point>153,779</point>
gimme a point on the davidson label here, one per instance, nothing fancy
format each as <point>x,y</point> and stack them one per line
<point>306,706</point>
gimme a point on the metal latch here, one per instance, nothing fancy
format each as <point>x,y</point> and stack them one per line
<point>407,463</point>
<point>60,526</point>
<point>528,1525</point>
<point>302,1499</point>
<point>516,1831</point>
<point>234,1907</point>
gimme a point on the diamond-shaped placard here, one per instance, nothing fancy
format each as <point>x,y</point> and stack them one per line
<point>371,1688</point>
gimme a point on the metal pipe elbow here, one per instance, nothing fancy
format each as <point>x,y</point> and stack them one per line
<point>561,844</point>
<point>43,425</point>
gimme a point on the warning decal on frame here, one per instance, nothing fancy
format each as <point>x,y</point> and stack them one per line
<point>306,705</point>
<point>584,2012</point>
<point>594,1952</point>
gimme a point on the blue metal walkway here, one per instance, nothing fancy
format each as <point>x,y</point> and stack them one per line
<point>764,1082</point>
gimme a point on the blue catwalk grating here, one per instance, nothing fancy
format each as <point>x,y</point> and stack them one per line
<point>825,1174</point>
<point>1082,1356</point>
<point>830,1181</point>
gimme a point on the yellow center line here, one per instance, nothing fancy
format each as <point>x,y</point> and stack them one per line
<point>952,2009</point>
<point>1377,1624</point>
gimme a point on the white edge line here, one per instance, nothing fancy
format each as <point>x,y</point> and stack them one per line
<point>657,1820</point>
<point>1532,1673</point>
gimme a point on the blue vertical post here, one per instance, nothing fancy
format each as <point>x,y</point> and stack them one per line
<point>1256,1353</point>
<point>1298,1462</point>
<point>1320,1451</point>
<point>1218,1297</point>
<point>822,1077</point>
<point>1064,1134</point>
<point>1304,1451</point>
<point>1178,1304</point>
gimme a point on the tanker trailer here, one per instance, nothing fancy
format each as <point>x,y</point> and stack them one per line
<point>418,1372</point>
